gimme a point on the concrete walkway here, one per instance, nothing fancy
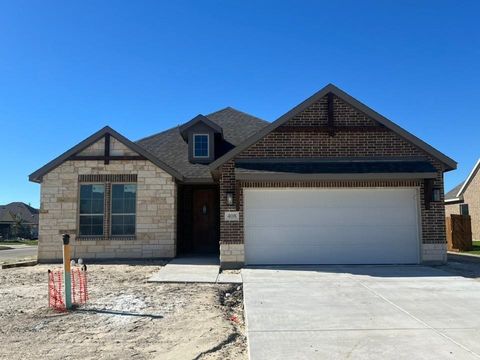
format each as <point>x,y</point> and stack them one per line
<point>198,269</point>
<point>361,312</point>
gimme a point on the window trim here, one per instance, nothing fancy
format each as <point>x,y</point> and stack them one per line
<point>104,210</point>
<point>110,213</point>
<point>208,146</point>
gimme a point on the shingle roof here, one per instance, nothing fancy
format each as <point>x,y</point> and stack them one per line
<point>452,194</point>
<point>171,148</point>
<point>26,212</point>
<point>5,216</point>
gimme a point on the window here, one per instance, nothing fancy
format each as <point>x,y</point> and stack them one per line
<point>108,209</point>
<point>123,209</point>
<point>92,200</point>
<point>200,145</point>
<point>463,209</point>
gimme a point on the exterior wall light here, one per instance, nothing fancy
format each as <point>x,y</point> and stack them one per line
<point>436,195</point>
<point>229,198</point>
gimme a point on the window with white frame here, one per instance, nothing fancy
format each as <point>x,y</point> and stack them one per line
<point>200,146</point>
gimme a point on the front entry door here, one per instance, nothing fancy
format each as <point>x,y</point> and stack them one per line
<point>205,220</point>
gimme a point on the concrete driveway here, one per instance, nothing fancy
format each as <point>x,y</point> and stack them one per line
<point>361,312</point>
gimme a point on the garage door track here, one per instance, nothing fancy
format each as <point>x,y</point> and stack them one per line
<point>361,312</point>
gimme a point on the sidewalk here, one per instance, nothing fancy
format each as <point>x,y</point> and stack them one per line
<point>195,269</point>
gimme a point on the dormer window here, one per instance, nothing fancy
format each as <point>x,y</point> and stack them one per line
<point>200,146</point>
<point>203,136</point>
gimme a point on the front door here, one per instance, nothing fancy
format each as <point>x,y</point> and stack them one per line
<point>205,220</point>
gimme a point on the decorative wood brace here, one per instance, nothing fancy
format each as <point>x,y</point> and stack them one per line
<point>106,157</point>
<point>107,149</point>
<point>330,124</point>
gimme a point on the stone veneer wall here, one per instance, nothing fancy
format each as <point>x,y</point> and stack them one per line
<point>232,256</point>
<point>366,138</point>
<point>155,221</point>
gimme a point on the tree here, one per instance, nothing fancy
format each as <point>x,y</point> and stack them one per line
<point>19,229</point>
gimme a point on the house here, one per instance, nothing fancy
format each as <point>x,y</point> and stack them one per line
<point>464,199</point>
<point>18,219</point>
<point>329,182</point>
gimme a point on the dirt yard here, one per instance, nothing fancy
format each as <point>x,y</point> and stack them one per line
<point>126,317</point>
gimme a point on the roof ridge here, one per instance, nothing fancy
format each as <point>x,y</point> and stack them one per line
<point>213,113</point>
<point>178,126</point>
<point>222,109</point>
<point>238,111</point>
<point>19,203</point>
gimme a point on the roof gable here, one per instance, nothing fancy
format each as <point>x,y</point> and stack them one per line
<point>467,182</point>
<point>200,119</point>
<point>93,139</point>
<point>450,164</point>
<point>117,148</point>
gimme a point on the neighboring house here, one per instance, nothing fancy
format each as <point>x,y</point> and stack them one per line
<point>329,182</point>
<point>18,219</point>
<point>464,199</point>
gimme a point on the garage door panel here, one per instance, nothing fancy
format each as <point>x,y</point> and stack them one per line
<point>336,216</point>
<point>331,226</point>
<point>330,198</point>
<point>326,236</point>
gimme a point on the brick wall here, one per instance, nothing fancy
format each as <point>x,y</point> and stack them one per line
<point>452,209</point>
<point>359,136</point>
<point>471,196</point>
<point>155,220</point>
<point>344,115</point>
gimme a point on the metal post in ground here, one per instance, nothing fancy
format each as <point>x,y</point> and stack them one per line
<point>67,281</point>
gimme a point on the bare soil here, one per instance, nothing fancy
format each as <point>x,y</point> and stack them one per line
<point>126,317</point>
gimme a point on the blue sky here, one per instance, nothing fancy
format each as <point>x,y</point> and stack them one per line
<point>69,68</point>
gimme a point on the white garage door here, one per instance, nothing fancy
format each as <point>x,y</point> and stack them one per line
<point>331,226</point>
